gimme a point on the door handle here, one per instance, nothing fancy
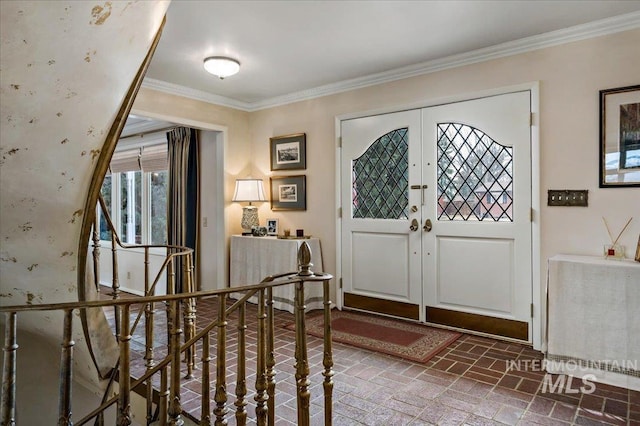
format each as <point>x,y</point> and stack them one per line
<point>427,226</point>
<point>414,225</point>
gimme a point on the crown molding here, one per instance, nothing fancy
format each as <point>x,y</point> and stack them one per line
<point>599,28</point>
<point>198,95</point>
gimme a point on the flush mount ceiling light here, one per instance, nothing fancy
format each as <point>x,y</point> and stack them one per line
<point>221,66</point>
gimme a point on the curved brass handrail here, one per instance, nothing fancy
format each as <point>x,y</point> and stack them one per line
<point>266,283</point>
<point>179,250</point>
<point>88,217</point>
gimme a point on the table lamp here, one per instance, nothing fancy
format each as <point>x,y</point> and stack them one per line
<point>249,190</point>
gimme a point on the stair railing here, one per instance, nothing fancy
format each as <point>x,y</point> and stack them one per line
<point>176,256</point>
<point>168,407</point>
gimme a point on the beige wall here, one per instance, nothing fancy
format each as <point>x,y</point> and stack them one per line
<point>233,123</point>
<point>570,77</point>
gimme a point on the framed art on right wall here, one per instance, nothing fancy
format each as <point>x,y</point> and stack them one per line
<point>620,137</point>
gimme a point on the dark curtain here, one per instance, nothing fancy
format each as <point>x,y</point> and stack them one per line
<point>183,197</point>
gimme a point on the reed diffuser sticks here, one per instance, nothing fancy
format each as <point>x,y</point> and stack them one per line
<point>615,250</point>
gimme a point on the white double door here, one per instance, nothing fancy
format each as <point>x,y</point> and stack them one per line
<point>436,206</point>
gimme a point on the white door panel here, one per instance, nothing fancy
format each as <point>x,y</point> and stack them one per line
<point>489,258</point>
<point>372,269</point>
<point>381,254</point>
<point>474,263</point>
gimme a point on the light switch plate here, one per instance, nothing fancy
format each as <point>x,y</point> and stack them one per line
<point>568,197</point>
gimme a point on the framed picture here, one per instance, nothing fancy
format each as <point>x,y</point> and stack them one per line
<point>272,226</point>
<point>620,137</point>
<point>289,152</point>
<point>289,193</point>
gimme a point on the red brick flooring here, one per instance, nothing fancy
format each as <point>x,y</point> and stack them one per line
<point>468,383</point>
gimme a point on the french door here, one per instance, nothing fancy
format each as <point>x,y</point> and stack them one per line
<point>382,258</point>
<point>436,214</point>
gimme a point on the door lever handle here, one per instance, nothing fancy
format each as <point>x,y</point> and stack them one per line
<point>414,225</point>
<point>427,225</point>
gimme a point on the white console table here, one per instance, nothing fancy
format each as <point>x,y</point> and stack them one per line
<point>255,258</point>
<point>594,319</point>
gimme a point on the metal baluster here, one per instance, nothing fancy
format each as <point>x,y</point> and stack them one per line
<point>163,400</point>
<point>189,313</point>
<point>302,364</point>
<point>96,252</point>
<point>327,360</point>
<point>115,283</point>
<point>206,391</point>
<point>271,360</point>
<point>220,396</point>
<point>124,375</point>
<point>149,312</point>
<point>66,370</point>
<point>175,409</point>
<point>261,396</point>
<point>171,289</point>
<point>241,379</point>
<point>9,370</point>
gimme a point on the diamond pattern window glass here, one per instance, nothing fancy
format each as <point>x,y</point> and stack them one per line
<point>381,178</point>
<point>475,175</point>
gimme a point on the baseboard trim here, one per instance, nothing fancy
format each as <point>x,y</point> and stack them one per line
<point>481,323</point>
<point>382,306</point>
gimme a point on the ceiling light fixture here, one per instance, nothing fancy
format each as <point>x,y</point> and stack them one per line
<point>221,66</point>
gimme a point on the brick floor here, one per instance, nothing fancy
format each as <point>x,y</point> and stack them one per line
<point>468,383</point>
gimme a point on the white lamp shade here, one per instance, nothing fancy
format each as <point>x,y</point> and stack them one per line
<point>221,66</point>
<point>249,190</point>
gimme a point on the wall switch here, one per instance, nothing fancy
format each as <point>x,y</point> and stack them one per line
<point>128,275</point>
<point>568,197</point>
<point>204,222</point>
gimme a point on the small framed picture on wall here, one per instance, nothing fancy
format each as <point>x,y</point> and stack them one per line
<point>289,152</point>
<point>288,193</point>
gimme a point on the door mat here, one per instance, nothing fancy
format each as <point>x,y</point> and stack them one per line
<point>411,341</point>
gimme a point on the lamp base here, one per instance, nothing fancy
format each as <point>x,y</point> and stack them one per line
<point>249,219</point>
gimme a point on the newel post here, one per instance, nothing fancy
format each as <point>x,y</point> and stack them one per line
<point>9,371</point>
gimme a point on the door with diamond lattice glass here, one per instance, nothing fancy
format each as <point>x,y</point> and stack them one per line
<point>477,256</point>
<point>382,261</point>
<point>436,214</point>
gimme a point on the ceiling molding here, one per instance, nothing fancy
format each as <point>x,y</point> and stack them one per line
<point>579,32</point>
<point>198,95</point>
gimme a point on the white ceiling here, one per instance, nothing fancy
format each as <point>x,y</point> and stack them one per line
<point>291,50</point>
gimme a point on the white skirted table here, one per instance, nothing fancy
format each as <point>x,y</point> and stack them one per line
<point>594,319</point>
<point>255,258</point>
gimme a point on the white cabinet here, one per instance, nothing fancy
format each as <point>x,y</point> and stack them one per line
<point>255,258</point>
<point>594,319</point>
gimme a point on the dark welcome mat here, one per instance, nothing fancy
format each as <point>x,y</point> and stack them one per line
<point>407,340</point>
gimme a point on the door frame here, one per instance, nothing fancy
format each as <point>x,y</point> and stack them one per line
<point>213,207</point>
<point>538,289</point>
